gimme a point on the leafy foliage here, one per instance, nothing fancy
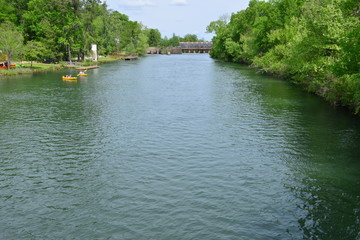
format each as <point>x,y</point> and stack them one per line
<point>11,40</point>
<point>35,51</point>
<point>67,28</point>
<point>154,37</point>
<point>314,43</point>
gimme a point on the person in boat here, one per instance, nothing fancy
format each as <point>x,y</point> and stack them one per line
<point>81,72</point>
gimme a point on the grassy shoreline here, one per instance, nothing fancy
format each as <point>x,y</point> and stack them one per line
<point>25,68</point>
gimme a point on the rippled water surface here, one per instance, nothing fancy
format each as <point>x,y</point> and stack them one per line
<point>174,147</point>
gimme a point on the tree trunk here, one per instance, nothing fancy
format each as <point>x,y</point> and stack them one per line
<point>69,54</point>
<point>9,63</point>
<point>79,55</point>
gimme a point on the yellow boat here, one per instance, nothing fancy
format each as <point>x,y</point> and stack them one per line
<point>69,78</point>
<point>82,74</point>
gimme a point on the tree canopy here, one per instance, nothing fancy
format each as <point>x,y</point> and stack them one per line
<point>11,40</point>
<point>67,28</point>
<point>314,43</point>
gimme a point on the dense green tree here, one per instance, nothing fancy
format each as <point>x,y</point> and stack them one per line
<point>174,41</point>
<point>69,27</point>
<point>215,26</point>
<point>189,38</point>
<point>220,28</point>
<point>142,43</point>
<point>154,37</point>
<point>133,38</point>
<point>314,43</point>
<point>11,40</point>
<point>349,61</point>
<point>34,51</point>
<point>117,29</point>
<point>7,12</point>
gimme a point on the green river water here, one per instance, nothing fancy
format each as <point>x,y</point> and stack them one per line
<point>174,147</point>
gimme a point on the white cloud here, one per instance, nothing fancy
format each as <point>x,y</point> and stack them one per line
<point>179,2</point>
<point>136,3</point>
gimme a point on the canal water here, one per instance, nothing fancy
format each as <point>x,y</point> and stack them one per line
<point>174,147</point>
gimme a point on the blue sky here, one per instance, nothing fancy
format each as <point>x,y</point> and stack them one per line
<point>177,16</point>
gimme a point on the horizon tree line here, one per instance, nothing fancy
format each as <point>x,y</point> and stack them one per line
<point>65,30</point>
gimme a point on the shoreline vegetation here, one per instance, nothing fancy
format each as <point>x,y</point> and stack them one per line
<point>311,43</point>
<point>60,31</point>
<point>29,68</point>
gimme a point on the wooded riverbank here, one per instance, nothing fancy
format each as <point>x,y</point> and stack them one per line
<point>314,44</point>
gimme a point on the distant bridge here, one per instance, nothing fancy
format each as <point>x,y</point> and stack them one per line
<point>184,47</point>
<point>196,47</point>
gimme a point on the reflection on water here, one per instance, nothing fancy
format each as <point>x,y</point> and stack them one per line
<point>174,147</point>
